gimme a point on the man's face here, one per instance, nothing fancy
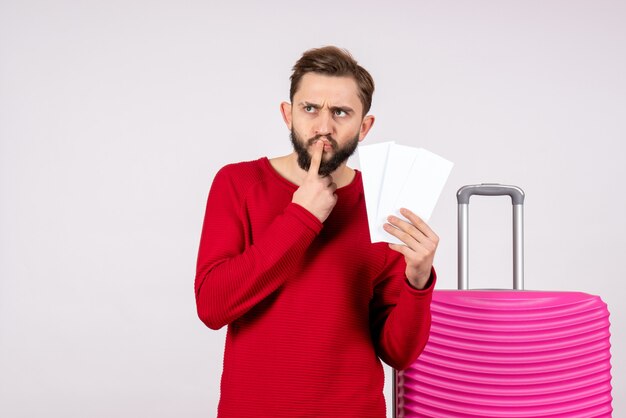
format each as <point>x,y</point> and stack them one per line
<point>326,108</point>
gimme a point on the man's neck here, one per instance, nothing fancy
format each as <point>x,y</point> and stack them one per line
<point>287,166</point>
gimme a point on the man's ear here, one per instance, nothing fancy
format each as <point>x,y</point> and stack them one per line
<point>285,110</point>
<point>366,125</point>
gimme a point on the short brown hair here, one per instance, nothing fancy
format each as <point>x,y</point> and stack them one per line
<point>330,60</point>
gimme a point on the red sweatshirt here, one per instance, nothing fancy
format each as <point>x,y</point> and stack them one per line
<point>310,307</point>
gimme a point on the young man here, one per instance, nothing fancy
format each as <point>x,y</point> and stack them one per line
<point>286,262</point>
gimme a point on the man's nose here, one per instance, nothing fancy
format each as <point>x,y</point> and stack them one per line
<point>324,123</point>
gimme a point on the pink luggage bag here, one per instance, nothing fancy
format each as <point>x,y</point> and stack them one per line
<point>509,353</point>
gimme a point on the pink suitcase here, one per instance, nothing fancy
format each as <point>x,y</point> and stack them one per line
<point>509,353</point>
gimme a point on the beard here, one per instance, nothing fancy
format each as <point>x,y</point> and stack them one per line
<point>339,154</point>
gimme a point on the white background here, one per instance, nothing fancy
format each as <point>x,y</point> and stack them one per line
<point>115,116</point>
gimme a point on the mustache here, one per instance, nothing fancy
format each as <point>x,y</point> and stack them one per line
<point>329,138</point>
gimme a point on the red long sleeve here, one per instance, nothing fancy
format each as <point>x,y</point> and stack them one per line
<point>310,308</point>
<point>234,274</point>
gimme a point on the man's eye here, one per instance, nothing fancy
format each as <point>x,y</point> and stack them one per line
<point>339,112</point>
<point>309,109</point>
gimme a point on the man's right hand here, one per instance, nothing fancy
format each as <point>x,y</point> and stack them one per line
<point>317,193</point>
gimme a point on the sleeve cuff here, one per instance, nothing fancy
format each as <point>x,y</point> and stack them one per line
<point>428,289</point>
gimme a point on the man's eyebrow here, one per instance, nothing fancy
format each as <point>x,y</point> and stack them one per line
<point>307,104</point>
<point>345,109</point>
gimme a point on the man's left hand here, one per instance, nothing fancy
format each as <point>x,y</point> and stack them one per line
<point>419,249</point>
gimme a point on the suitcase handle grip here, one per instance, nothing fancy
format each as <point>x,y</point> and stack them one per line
<point>517,200</point>
<point>490,189</point>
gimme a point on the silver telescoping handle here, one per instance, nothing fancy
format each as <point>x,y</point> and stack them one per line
<point>517,200</point>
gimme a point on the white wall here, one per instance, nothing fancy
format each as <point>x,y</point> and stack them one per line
<point>114,117</point>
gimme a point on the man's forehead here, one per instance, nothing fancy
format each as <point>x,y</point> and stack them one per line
<point>314,86</point>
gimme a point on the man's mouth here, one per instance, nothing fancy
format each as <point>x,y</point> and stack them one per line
<point>329,143</point>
